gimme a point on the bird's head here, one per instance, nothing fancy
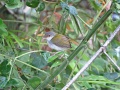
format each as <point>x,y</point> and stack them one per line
<point>49,34</point>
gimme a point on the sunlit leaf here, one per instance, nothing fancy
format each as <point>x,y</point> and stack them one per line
<point>53,57</point>
<point>56,63</point>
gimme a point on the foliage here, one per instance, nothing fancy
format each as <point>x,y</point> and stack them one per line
<point>26,62</point>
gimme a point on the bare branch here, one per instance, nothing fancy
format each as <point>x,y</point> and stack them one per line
<point>112,60</point>
<point>92,59</point>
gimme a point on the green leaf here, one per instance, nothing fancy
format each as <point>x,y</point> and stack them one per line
<point>86,84</point>
<point>3,27</point>
<point>111,76</point>
<point>3,81</point>
<point>25,58</point>
<point>91,89</point>
<point>62,23</point>
<point>98,66</point>
<point>12,4</point>
<point>41,6</point>
<point>72,66</point>
<point>33,3</point>
<point>93,78</point>
<point>74,24</point>
<point>46,55</point>
<point>58,86</point>
<point>26,70</point>
<point>34,82</point>
<point>15,82</point>
<point>52,58</point>
<point>95,4</point>
<point>55,64</point>
<point>17,39</point>
<point>76,86</point>
<point>4,67</point>
<point>38,60</point>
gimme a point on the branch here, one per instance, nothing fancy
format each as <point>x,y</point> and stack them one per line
<point>111,60</point>
<point>92,59</point>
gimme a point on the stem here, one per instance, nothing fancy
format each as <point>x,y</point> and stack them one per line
<point>21,22</point>
<point>32,66</point>
<point>89,26</point>
<point>27,53</point>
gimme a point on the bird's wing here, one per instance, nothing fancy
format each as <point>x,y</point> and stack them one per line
<point>61,41</point>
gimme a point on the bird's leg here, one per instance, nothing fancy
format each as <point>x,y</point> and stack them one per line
<point>63,55</point>
<point>60,54</point>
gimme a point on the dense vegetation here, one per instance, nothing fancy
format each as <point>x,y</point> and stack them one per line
<point>27,63</point>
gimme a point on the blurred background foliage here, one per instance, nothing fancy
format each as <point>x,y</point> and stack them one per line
<point>26,60</point>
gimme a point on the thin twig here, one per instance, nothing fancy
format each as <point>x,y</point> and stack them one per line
<point>89,26</point>
<point>16,21</point>
<point>92,59</point>
<point>111,60</point>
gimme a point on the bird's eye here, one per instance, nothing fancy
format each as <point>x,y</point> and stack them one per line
<point>48,35</point>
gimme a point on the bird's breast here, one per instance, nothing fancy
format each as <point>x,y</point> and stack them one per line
<point>53,46</point>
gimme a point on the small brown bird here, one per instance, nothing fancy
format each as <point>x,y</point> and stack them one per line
<point>56,41</point>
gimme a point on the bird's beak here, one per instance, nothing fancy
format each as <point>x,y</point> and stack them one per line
<point>40,35</point>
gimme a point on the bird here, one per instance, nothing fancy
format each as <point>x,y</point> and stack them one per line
<point>56,41</point>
